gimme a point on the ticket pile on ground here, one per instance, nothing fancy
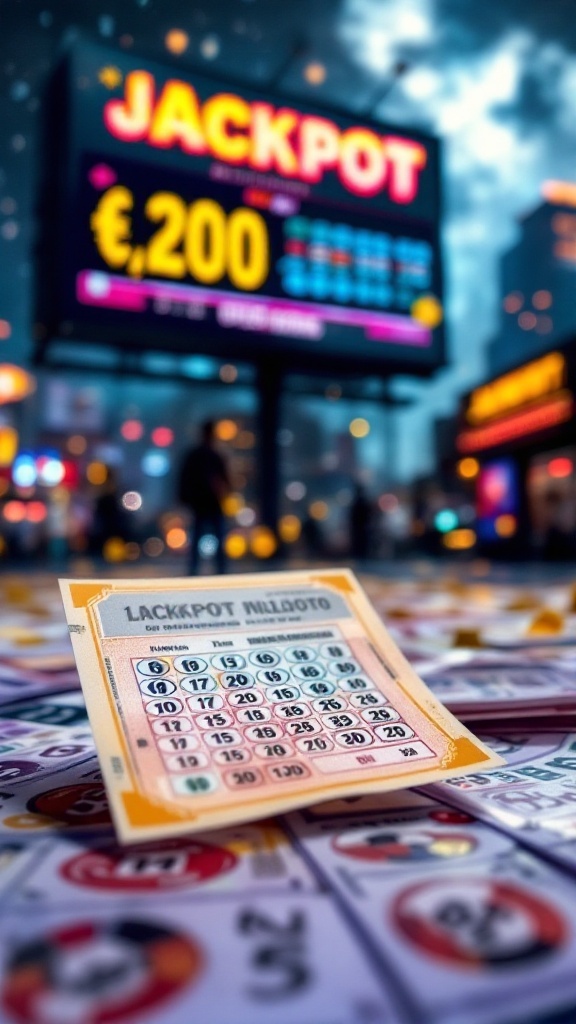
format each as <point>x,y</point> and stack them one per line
<point>439,904</point>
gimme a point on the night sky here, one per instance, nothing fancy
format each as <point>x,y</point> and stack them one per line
<point>496,80</point>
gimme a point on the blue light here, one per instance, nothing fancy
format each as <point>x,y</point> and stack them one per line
<point>208,545</point>
<point>445,520</point>
<point>24,473</point>
<point>155,463</point>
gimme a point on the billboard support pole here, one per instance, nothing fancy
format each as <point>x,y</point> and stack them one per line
<point>269,385</point>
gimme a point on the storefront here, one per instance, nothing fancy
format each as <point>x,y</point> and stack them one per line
<point>516,446</point>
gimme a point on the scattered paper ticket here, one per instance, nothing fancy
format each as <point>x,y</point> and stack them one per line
<point>215,700</point>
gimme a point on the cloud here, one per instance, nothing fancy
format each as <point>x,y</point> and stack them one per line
<point>503,99</point>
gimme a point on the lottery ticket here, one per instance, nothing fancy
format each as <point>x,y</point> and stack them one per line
<point>244,860</point>
<point>492,689</point>
<point>43,736</point>
<point>533,798</point>
<point>215,701</point>
<point>251,961</point>
<point>467,926</point>
<point>73,799</point>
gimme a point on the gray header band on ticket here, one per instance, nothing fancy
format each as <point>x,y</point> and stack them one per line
<point>173,612</point>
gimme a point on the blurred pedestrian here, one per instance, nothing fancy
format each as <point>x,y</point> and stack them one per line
<point>560,533</point>
<point>110,518</point>
<point>204,483</point>
<point>360,523</point>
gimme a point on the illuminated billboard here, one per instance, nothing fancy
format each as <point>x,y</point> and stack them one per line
<point>200,216</point>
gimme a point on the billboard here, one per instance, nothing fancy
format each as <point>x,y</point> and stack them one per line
<point>195,215</point>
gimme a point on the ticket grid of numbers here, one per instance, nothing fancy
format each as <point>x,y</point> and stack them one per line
<point>234,721</point>
<point>217,702</point>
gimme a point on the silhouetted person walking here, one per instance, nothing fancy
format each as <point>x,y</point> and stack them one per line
<point>360,524</point>
<point>203,484</point>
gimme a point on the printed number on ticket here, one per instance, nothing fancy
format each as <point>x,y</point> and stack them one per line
<point>215,701</point>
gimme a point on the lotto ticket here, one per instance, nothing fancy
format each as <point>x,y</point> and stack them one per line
<point>282,958</point>
<point>489,688</point>
<point>466,926</point>
<point>533,798</point>
<point>215,701</point>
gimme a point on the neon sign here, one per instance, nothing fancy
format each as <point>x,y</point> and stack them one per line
<point>551,413</point>
<point>527,384</point>
<point>265,138</point>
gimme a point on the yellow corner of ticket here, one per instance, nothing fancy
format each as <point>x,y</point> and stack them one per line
<point>218,700</point>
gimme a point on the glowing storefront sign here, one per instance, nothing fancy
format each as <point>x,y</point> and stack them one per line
<point>529,383</point>
<point>534,397</point>
<point>550,413</point>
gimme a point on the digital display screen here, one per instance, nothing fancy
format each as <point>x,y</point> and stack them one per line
<point>497,495</point>
<point>220,222</point>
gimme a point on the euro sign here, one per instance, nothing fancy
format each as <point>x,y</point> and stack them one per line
<point>111,225</point>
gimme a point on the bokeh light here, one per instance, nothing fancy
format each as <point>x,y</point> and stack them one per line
<point>15,383</point>
<point>359,427</point>
<point>210,47</point>
<point>513,302</point>
<point>228,373</point>
<point>388,502</point>
<point>527,320</point>
<point>208,545</point>
<point>296,490</point>
<point>428,311</point>
<point>132,430</point>
<point>153,547</point>
<point>24,472</point>
<point>318,510</point>
<point>235,545</point>
<point>176,538</point>
<point>114,550</point>
<point>14,511</point>
<point>459,540</point>
<point>468,468</point>
<point>560,467</point>
<point>505,525</point>
<point>132,501</point>
<point>77,444</point>
<point>263,543</point>
<point>8,445</point>
<point>155,464</point>
<point>177,41</point>
<point>542,299</point>
<point>246,516</point>
<point>289,529</point>
<point>5,330</point>
<point>544,325</point>
<point>162,437</point>
<point>445,520</point>
<point>226,430</point>
<point>96,473</point>
<point>232,504</point>
<point>315,73</point>
<point>50,471</point>
<point>36,512</point>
